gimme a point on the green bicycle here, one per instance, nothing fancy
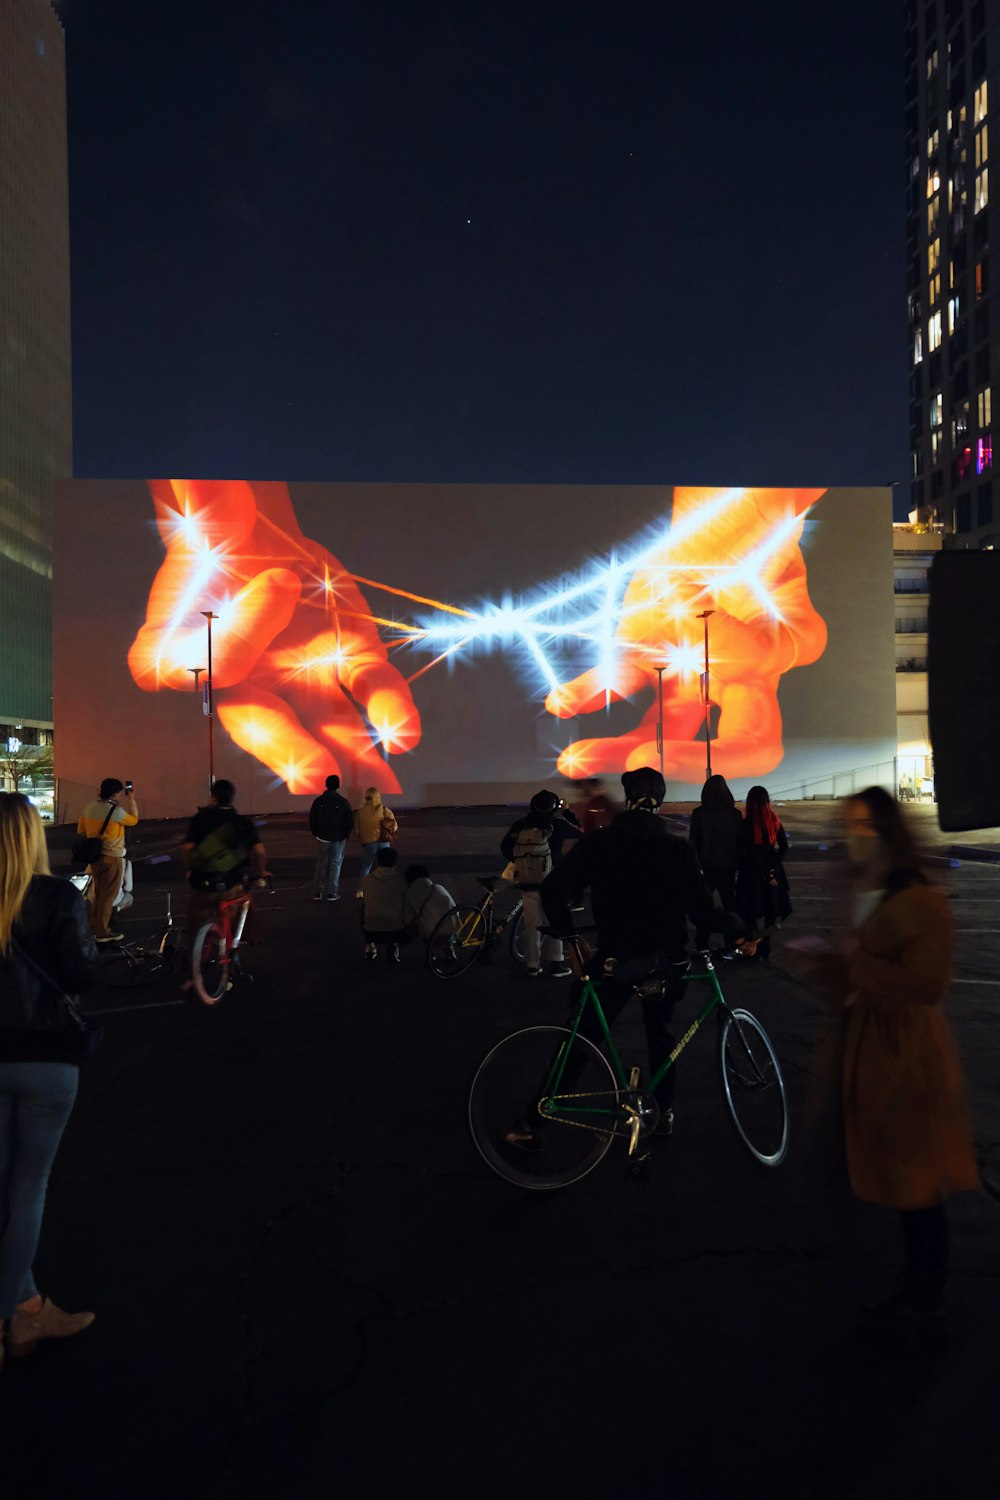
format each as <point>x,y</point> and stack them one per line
<point>600,1101</point>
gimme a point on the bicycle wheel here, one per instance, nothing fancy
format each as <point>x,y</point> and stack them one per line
<point>457,941</point>
<point>209,968</point>
<point>517,938</point>
<point>574,1127</point>
<point>133,966</point>
<point>753,1087</point>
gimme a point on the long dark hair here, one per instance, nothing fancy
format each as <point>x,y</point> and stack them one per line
<point>905,867</point>
<point>765,825</point>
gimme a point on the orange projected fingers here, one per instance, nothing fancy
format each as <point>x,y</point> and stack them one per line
<point>394,719</point>
<point>265,727</point>
<point>199,514</point>
<point>249,623</point>
<point>590,691</point>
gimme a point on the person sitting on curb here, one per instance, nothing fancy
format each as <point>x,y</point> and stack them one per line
<point>383,894</point>
<point>426,903</point>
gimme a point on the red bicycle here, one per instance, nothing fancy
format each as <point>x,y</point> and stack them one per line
<point>218,955</point>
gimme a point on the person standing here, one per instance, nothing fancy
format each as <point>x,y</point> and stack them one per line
<point>330,823</point>
<point>534,845</point>
<point>715,833</point>
<point>47,958</point>
<point>107,819</point>
<point>376,827</point>
<point>909,1143</point>
<point>761,883</point>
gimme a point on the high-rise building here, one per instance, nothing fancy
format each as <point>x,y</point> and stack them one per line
<point>952,99</point>
<point>36,442</point>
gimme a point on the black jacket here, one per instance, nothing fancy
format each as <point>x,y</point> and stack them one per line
<point>35,1024</point>
<point>644,886</point>
<point>331,818</point>
<point>761,884</point>
<point>715,834</point>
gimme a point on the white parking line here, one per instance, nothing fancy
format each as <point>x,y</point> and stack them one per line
<point>119,1010</point>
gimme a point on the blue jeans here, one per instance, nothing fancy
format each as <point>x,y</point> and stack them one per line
<point>36,1099</point>
<point>370,853</point>
<point>329,858</point>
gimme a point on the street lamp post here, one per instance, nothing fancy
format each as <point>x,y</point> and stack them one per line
<point>659,724</point>
<point>706,615</point>
<point>210,705</point>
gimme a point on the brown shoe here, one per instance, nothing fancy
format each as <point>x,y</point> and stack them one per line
<point>27,1330</point>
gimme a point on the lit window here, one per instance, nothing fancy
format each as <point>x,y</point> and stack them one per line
<point>933,256</point>
<point>934,333</point>
<point>932,62</point>
<point>954,311</point>
<point>916,463</point>
<point>982,280</point>
<point>980,109</point>
<point>984,454</point>
<point>984,405</point>
<point>982,146</point>
<point>933,210</point>
<point>936,409</point>
<point>960,423</point>
<point>935,445</point>
<point>918,346</point>
<point>982,190</point>
<point>934,288</point>
<point>932,141</point>
<point>933,181</point>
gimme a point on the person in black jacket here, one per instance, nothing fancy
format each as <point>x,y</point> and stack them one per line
<point>762,885</point>
<point>47,957</point>
<point>715,834</point>
<point>330,823</point>
<point>644,885</point>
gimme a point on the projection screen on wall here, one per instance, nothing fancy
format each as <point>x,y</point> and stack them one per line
<point>467,643</point>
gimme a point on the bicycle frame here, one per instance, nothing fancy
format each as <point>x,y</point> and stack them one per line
<point>233,935</point>
<point>550,1104</point>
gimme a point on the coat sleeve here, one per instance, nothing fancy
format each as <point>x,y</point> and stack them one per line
<point>312,817</point>
<point>698,902</point>
<point>568,879</point>
<point>509,840</point>
<point>72,952</point>
<point>925,936</point>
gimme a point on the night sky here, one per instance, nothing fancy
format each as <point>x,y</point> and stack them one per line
<point>637,242</point>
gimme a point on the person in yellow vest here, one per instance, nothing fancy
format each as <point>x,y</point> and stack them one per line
<point>107,818</point>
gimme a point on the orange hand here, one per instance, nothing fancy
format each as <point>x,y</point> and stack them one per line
<point>734,552</point>
<point>298,662</point>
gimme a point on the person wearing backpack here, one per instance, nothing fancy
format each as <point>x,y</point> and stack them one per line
<point>219,847</point>
<point>534,846</point>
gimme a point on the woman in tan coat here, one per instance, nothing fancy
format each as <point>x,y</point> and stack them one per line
<point>909,1145</point>
<point>376,827</point>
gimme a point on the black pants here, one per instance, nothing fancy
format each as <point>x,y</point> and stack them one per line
<point>723,881</point>
<point>925,1237</point>
<point>657,1014</point>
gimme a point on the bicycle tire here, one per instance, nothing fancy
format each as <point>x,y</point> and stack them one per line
<point>209,972</point>
<point>134,967</point>
<point>753,1087</point>
<point>517,938</point>
<point>500,1093</point>
<point>461,936</point>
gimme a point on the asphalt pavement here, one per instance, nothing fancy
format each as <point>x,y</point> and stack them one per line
<point>308,1284</point>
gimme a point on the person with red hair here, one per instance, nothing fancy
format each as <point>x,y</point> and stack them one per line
<point>761,883</point>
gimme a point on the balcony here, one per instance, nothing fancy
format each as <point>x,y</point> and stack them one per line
<point>912,664</point>
<point>910,586</point>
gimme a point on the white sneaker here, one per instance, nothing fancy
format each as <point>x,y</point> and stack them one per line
<point>360,894</point>
<point>533,971</point>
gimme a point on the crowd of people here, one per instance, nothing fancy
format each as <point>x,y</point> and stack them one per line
<point>908,1142</point>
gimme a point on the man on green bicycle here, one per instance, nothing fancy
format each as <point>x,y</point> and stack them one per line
<point>645,886</point>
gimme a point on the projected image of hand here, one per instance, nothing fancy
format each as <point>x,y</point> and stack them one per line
<point>302,678</point>
<point>735,552</point>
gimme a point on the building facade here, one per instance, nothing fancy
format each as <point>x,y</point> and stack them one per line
<point>35,375</point>
<point>913,550</point>
<point>952,92</point>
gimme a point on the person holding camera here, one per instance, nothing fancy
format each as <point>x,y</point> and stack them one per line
<point>106,819</point>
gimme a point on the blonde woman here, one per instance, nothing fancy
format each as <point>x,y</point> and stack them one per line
<point>376,827</point>
<point>47,956</point>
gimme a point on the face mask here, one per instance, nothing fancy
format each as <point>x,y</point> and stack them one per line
<point>862,850</point>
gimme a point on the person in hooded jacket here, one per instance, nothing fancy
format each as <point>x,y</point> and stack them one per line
<point>546,816</point>
<point>47,957</point>
<point>644,885</point>
<point>383,918</point>
<point>715,834</point>
<point>426,902</point>
<point>376,827</point>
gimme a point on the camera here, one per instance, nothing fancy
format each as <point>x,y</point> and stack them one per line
<point>128,787</point>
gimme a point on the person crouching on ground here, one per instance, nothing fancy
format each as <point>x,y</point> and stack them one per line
<point>383,894</point>
<point>426,903</point>
<point>47,957</point>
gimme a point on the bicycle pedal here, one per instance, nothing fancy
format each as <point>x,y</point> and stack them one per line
<point>638,1168</point>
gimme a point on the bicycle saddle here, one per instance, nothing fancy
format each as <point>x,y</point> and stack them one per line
<point>489,882</point>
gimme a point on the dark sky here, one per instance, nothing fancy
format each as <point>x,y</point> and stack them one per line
<point>554,241</point>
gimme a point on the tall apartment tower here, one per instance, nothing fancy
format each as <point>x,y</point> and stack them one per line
<point>36,436</point>
<point>952,110</point>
